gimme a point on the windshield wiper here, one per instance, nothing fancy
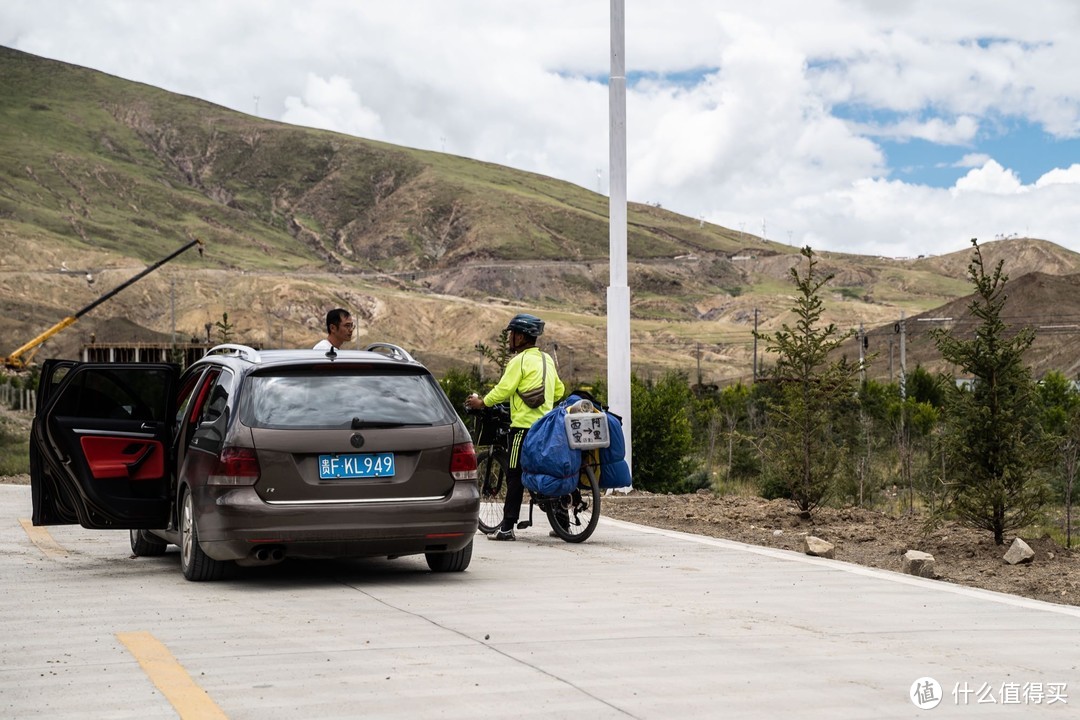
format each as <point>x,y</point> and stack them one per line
<point>357,424</point>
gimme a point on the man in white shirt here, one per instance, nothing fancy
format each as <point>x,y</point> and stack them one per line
<point>339,330</point>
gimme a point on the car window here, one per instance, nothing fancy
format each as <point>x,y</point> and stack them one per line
<point>105,393</point>
<point>58,376</point>
<point>318,399</point>
<point>214,407</point>
<point>184,397</point>
<point>211,411</point>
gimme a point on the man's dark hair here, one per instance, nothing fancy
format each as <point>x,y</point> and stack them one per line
<point>335,317</point>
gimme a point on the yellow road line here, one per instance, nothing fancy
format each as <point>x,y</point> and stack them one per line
<point>170,677</point>
<point>45,542</point>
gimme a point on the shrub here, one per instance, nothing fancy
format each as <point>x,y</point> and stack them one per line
<point>662,437</point>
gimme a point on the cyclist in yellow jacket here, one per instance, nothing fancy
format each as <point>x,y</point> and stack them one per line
<point>531,383</point>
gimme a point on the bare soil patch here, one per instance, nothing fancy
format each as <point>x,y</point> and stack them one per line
<point>865,537</point>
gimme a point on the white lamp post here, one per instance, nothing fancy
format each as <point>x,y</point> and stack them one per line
<point>618,293</point>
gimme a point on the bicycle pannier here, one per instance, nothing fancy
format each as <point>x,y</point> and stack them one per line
<point>549,465</point>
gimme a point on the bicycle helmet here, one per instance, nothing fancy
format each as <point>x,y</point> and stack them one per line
<point>527,325</point>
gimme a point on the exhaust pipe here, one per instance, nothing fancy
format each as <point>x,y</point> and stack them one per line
<point>263,555</point>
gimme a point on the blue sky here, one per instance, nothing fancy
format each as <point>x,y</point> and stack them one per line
<point>1022,146</point>
<point>882,128</point>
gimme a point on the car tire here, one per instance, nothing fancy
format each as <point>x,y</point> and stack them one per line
<point>143,544</point>
<point>450,561</point>
<point>194,563</point>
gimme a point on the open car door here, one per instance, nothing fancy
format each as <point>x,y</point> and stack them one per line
<point>101,443</point>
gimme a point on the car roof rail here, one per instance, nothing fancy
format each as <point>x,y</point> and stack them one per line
<point>392,351</point>
<point>233,350</point>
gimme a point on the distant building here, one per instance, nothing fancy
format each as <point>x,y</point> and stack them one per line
<point>182,353</point>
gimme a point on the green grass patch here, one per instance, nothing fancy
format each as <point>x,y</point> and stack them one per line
<point>14,452</point>
<point>851,293</point>
<point>1054,527</point>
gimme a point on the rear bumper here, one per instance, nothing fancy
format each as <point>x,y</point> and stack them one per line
<point>234,522</point>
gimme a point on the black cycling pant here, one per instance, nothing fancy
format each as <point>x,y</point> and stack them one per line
<point>515,491</point>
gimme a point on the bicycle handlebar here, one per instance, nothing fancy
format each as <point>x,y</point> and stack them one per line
<point>498,412</point>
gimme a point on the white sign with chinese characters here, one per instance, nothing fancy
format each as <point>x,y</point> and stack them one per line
<point>586,431</point>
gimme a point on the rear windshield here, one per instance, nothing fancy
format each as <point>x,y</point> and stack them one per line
<point>343,399</point>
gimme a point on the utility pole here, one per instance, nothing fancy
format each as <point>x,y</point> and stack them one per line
<point>861,337</point>
<point>256,106</point>
<point>903,358</point>
<point>755,342</point>
<point>172,308</point>
<point>699,364</point>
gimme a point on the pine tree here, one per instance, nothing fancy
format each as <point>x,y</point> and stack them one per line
<point>500,354</point>
<point>224,328</point>
<point>804,444</point>
<point>993,431</point>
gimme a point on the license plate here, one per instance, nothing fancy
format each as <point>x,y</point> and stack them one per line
<point>360,465</point>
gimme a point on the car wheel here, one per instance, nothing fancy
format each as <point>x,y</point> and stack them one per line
<point>143,544</point>
<point>195,564</point>
<point>450,561</point>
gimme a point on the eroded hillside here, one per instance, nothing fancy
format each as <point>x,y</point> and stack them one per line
<point>101,176</point>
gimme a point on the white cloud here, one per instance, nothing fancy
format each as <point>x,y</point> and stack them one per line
<point>1059,176</point>
<point>960,131</point>
<point>971,160</point>
<point>990,178</point>
<point>332,104</point>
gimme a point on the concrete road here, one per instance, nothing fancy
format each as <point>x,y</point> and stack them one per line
<point>635,623</point>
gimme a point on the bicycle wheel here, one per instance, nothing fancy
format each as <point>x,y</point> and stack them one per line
<point>491,476</point>
<point>573,517</point>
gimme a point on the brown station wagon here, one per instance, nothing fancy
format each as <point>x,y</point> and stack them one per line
<point>251,457</point>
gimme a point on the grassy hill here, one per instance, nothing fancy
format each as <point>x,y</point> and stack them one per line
<point>102,176</point>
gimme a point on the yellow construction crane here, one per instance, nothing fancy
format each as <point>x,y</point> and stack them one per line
<point>21,358</point>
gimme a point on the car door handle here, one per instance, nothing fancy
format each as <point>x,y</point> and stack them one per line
<point>143,455</point>
<point>146,426</point>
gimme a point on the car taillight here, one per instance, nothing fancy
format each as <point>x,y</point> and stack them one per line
<point>235,466</point>
<point>463,461</point>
